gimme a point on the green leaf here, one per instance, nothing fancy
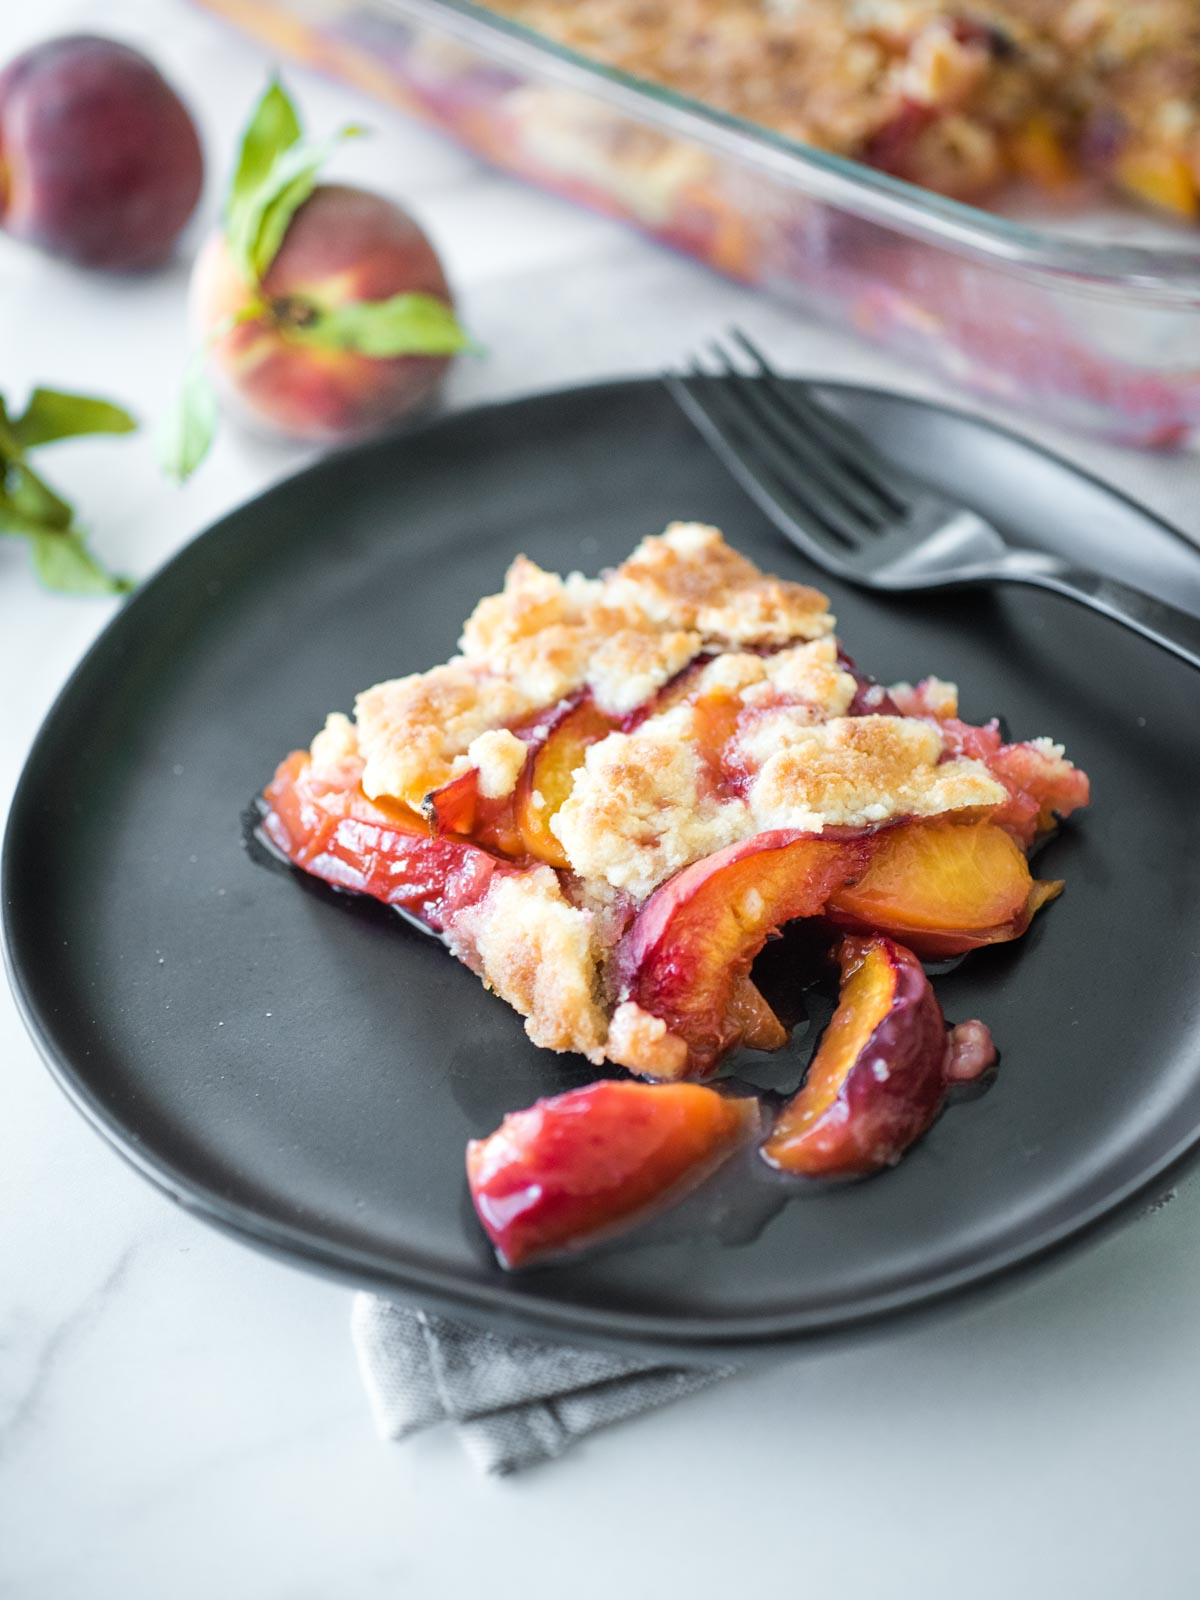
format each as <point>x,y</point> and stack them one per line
<point>405,325</point>
<point>52,414</point>
<point>64,562</point>
<point>10,447</point>
<point>12,521</point>
<point>187,430</point>
<point>32,498</point>
<point>256,226</point>
<point>273,128</point>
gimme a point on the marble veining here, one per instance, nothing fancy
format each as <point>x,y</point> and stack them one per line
<point>57,1343</point>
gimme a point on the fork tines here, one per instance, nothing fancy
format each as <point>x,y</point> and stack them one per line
<point>786,448</point>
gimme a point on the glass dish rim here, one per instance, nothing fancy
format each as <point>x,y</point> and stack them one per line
<point>1140,272</point>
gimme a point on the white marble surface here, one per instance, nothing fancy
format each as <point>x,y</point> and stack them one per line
<point>181,1417</point>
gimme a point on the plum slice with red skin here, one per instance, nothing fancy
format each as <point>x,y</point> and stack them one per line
<point>880,1075</point>
<point>594,1161</point>
<point>518,824</point>
<point>694,940</point>
<point>459,809</point>
<point>329,827</point>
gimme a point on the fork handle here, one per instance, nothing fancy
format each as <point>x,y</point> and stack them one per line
<point>1164,625</point>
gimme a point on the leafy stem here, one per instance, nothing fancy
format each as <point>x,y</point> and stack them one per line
<point>30,509</point>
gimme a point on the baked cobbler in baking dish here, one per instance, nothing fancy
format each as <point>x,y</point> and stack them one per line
<point>956,97</point>
<point>610,799</point>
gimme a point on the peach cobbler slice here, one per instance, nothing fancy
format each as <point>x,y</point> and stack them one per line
<point>622,786</point>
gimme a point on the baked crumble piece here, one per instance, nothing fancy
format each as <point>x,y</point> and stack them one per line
<point>609,800</point>
<point>716,709</point>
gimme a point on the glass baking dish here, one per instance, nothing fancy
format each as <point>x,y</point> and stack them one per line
<point>1095,332</point>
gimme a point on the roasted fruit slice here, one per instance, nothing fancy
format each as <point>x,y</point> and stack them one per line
<point>327,826</point>
<point>879,1077</point>
<point>1042,784</point>
<point>944,888</point>
<point>547,779</point>
<point>453,808</point>
<point>693,942</point>
<point>592,1162</point>
<point>460,809</point>
<point>1162,178</point>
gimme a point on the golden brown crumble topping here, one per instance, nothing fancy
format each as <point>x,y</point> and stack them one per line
<point>858,771</point>
<point>689,577</point>
<point>537,951</point>
<point>639,811</point>
<point>544,638</point>
<point>755,735</point>
<point>411,730</point>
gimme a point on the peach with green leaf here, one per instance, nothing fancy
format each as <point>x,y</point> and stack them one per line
<point>323,311</point>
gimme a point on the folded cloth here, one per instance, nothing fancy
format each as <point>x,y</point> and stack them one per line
<point>515,1401</point>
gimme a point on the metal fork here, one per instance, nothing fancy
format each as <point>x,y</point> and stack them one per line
<point>859,516</point>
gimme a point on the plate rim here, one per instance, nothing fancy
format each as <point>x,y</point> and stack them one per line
<point>698,1336</point>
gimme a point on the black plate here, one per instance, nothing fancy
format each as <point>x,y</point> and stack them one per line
<point>306,1076</point>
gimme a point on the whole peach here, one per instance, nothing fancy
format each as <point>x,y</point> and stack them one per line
<point>99,158</point>
<point>343,245</point>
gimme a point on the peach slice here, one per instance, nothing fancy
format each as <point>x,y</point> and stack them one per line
<point>333,831</point>
<point>460,810</point>
<point>1162,178</point>
<point>594,1161</point>
<point>1042,784</point>
<point>1037,151</point>
<point>547,779</point>
<point>879,1077</point>
<point>758,1026</point>
<point>943,888</point>
<point>715,721</point>
<point>694,940</point>
<point>452,808</point>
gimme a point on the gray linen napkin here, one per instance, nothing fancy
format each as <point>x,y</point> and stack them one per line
<point>515,1401</point>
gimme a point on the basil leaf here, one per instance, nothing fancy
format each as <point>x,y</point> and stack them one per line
<point>273,128</point>
<point>34,500</point>
<point>186,431</point>
<point>51,414</point>
<point>405,325</point>
<point>64,562</point>
<point>257,227</point>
